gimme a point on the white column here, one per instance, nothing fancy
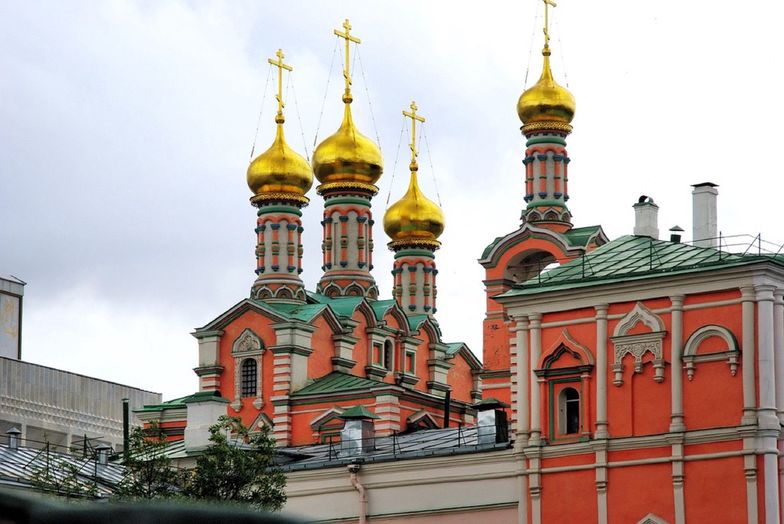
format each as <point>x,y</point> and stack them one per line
<point>523,383</point>
<point>748,359</point>
<point>536,350</point>
<point>676,418</point>
<point>766,414</point>
<point>601,372</point>
<point>778,350</point>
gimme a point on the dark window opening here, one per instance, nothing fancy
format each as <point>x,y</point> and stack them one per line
<point>248,378</point>
<point>571,409</point>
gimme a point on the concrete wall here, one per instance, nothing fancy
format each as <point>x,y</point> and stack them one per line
<point>448,489</point>
<point>47,403</point>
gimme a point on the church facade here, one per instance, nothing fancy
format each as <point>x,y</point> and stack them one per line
<point>644,377</point>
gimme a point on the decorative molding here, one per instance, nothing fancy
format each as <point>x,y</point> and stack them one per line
<point>640,344</point>
<point>247,345</point>
<point>692,357</point>
<point>650,518</point>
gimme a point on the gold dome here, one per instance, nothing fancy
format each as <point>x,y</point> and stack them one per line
<point>279,171</point>
<point>348,156</point>
<point>414,218</point>
<point>546,101</point>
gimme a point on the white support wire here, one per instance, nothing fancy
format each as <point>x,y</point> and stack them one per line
<point>326,91</point>
<point>430,160</point>
<point>560,51</point>
<point>299,118</point>
<point>367,94</point>
<point>394,166</point>
<point>261,111</point>
<point>531,45</point>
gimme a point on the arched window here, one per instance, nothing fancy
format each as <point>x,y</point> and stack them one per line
<point>569,411</point>
<point>248,377</point>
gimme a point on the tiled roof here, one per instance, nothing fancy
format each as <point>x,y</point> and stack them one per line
<point>633,258</point>
<point>336,382</point>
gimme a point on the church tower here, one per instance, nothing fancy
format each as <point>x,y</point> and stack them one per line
<point>347,164</point>
<point>546,235</point>
<point>546,110</point>
<point>279,179</point>
<point>414,224</point>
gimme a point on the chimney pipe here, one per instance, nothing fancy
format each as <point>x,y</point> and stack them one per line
<point>675,234</point>
<point>704,215</point>
<point>103,454</point>
<point>13,438</point>
<point>126,427</point>
<point>646,218</point>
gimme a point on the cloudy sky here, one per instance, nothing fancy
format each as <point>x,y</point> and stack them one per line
<point>126,129</point>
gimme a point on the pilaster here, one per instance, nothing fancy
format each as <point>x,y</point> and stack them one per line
<point>601,372</point>
<point>748,357</point>
<point>520,399</point>
<point>535,324</point>
<point>676,350</point>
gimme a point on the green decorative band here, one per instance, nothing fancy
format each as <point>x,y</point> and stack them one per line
<point>265,210</point>
<point>545,140</point>
<point>346,200</point>
<point>414,253</point>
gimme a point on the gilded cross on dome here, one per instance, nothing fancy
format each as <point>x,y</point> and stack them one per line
<point>414,119</point>
<point>281,66</point>
<point>547,3</point>
<point>346,34</point>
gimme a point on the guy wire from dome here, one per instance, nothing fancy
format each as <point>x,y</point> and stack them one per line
<point>279,173</point>
<point>546,106</point>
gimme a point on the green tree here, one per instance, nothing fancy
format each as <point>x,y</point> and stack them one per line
<point>238,466</point>
<point>149,473</point>
<point>55,474</point>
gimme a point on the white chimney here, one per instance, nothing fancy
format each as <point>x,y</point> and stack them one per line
<point>704,217</point>
<point>646,218</point>
<point>204,408</point>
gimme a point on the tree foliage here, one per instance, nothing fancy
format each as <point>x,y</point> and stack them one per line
<point>238,466</point>
<point>53,474</point>
<point>149,473</point>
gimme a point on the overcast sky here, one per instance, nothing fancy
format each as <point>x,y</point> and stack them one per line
<point>126,129</point>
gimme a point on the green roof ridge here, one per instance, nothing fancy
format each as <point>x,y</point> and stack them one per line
<point>358,412</point>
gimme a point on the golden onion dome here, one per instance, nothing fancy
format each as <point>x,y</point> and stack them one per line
<point>414,218</point>
<point>546,101</point>
<point>279,171</point>
<point>348,156</point>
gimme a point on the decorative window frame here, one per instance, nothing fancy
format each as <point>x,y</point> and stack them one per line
<point>247,345</point>
<point>640,344</point>
<point>579,376</point>
<point>691,357</point>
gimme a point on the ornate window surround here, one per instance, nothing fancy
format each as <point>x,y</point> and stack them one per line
<point>640,344</point>
<point>691,357</point>
<point>577,377</point>
<point>247,345</point>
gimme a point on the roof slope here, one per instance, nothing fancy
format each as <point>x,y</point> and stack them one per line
<point>632,258</point>
<point>336,382</point>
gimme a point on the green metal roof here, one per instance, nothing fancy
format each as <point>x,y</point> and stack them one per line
<point>176,402</point>
<point>579,236</point>
<point>345,306</point>
<point>633,258</point>
<point>358,412</point>
<point>454,347</point>
<point>414,321</point>
<point>336,382</point>
<point>380,307</point>
<point>302,312</point>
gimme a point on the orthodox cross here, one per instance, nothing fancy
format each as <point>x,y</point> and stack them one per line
<point>547,3</point>
<point>414,119</point>
<point>281,66</point>
<point>349,39</point>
